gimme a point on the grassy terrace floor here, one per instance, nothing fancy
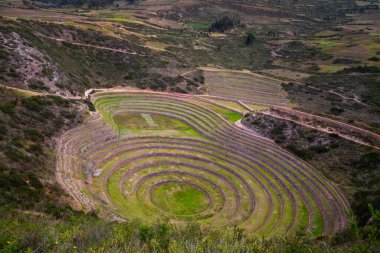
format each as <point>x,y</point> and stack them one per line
<point>150,155</point>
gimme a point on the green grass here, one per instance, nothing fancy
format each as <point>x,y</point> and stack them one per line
<point>331,68</point>
<point>229,104</point>
<point>136,124</point>
<point>256,107</point>
<point>198,26</point>
<point>326,43</point>
<point>179,198</point>
<point>118,19</point>
<point>229,115</point>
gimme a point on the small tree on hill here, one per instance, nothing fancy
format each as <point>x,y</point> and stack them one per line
<point>223,24</point>
<point>250,39</point>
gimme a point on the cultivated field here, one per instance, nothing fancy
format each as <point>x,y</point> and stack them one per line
<point>149,155</point>
<point>245,86</point>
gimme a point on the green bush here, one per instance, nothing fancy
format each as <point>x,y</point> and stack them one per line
<point>16,154</point>
<point>38,85</point>
<point>319,149</point>
<point>300,152</point>
<point>8,107</point>
<point>31,104</point>
<point>336,110</point>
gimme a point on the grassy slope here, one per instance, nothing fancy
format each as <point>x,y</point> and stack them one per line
<point>79,233</point>
<point>363,86</point>
<point>27,126</point>
<point>353,167</point>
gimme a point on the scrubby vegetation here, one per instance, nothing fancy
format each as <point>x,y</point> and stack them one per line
<point>297,51</point>
<point>355,168</point>
<point>224,23</point>
<point>351,94</point>
<point>76,232</point>
<point>27,126</point>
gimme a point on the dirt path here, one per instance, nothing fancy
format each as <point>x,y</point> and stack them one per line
<point>336,93</point>
<point>347,137</point>
<point>250,131</point>
<point>332,121</point>
<point>118,50</point>
<point>22,91</point>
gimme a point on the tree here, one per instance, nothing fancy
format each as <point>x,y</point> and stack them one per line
<point>225,23</point>
<point>250,39</point>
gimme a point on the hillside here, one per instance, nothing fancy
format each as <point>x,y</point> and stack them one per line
<point>189,126</point>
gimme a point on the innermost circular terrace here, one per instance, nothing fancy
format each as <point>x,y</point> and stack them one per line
<point>180,198</point>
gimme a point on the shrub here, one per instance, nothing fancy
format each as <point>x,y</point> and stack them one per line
<point>58,100</point>
<point>4,54</point>
<point>13,73</point>
<point>300,152</point>
<point>141,85</point>
<point>249,39</point>
<point>48,72</point>
<point>369,161</point>
<point>361,69</point>
<point>374,58</point>
<point>89,104</point>
<point>67,114</point>
<point>34,134</point>
<point>34,181</point>
<point>36,149</point>
<point>336,110</point>
<point>15,154</point>
<point>223,24</point>
<point>31,104</point>
<point>177,89</point>
<point>319,149</point>
<point>345,61</point>
<point>38,85</point>
<point>158,85</point>
<point>8,107</point>
<point>3,131</point>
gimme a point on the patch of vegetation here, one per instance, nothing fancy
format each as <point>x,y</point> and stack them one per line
<point>296,51</point>
<point>357,82</point>
<point>83,67</point>
<point>77,3</point>
<point>37,85</point>
<point>362,69</point>
<point>345,61</point>
<point>73,232</point>
<point>336,110</point>
<point>249,39</point>
<point>326,43</point>
<point>374,58</point>
<point>225,23</point>
<point>199,26</point>
<point>28,124</point>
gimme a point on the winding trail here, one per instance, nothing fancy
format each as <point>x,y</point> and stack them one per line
<point>118,50</point>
